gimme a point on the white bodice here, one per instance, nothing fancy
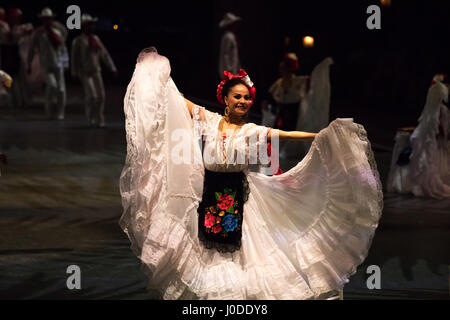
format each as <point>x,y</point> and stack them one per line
<point>230,151</point>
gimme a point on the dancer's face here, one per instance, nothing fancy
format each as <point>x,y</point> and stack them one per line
<point>238,100</point>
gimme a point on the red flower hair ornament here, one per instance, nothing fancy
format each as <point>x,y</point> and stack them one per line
<point>440,77</point>
<point>241,75</point>
<point>291,61</point>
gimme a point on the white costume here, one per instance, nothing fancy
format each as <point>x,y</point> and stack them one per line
<point>428,171</point>
<point>86,66</point>
<point>315,113</point>
<point>52,62</point>
<point>229,54</point>
<point>229,51</point>
<point>21,91</point>
<point>294,93</point>
<point>304,232</point>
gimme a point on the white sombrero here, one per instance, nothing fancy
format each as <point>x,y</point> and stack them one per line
<point>86,18</point>
<point>228,19</point>
<point>46,13</point>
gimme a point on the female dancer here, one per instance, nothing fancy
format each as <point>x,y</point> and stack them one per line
<point>207,225</point>
<point>288,91</point>
<point>421,160</point>
<point>303,101</point>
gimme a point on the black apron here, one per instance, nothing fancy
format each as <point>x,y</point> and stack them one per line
<point>221,211</point>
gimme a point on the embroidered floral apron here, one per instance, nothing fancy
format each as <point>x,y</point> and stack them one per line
<point>221,210</point>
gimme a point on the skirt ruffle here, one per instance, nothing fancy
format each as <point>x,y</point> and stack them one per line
<point>304,232</point>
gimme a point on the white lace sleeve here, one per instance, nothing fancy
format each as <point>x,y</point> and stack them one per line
<point>203,119</point>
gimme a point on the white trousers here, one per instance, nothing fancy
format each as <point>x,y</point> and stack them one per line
<point>56,89</point>
<point>94,98</point>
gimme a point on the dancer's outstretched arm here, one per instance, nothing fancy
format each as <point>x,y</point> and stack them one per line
<point>282,135</point>
<point>292,135</point>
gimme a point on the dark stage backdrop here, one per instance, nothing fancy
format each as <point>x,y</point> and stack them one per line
<point>388,70</point>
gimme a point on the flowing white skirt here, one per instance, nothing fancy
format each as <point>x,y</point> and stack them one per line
<point>304,232</point>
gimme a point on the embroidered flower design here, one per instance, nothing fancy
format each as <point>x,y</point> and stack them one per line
<point>229,223</point>
<point>225,201</point>
<point>224,216</point>
<point>217,228</point>
<point>210,220</point>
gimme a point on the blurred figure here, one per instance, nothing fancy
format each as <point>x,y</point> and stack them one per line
<point>315,110</point>
<point>288,92</point>
<point>303,101</point>
<point>50,39</point>
<point>14,57</point>
<point>5,81</point>
<point>421,160</point>
<point>4,29</point>
<point>87,51</point>
<point>268,118</point>
<point>229,48</point>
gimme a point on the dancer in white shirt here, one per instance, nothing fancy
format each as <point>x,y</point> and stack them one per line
<point>229,48</point>
<point>50,39</point>
<point>87,53</point>
<point>15,46</point>
<point>421,160</point>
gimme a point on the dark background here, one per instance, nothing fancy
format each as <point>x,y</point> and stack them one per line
<point>387,70</point>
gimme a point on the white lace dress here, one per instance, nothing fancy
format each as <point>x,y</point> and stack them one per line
<point>428,171</point>
<point>303,233</point>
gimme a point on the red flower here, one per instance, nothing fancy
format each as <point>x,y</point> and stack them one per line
<point>225,201</point>
<point>227,76</point>
<point>209,220</point>
<point>217,228</point>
